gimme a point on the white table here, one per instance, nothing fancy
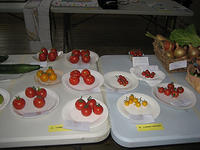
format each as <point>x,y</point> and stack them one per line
<point>16,131</point>
<point>180,126</point>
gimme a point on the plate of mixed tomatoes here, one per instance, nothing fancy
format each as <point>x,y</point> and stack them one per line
<point>86,109</point>
<point>33,102</point>
<point>82,79</point>
<point>138,104</point>
<point>119,80</point>
<point>81,58</point>
<point>175,95</point>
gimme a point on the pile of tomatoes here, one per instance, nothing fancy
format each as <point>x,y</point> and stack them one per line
<point>48,75</point>
<point>148,74</point>
<point>86,75</point>
<point>44,54</point>
<point>136,53</point>
<point>76,55</point>
<point>138,102</point>
<point>88,107</point>
<point>171,90</point>
<point>122,80</point>
<point>38,95</point>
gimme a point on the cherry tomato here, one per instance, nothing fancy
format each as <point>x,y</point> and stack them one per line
<point>180,90</point>
<point>49,70</point>
<point>84,52</point>
<point>98,109</point>
<point>86,111</point>
<point>75,73</point>
<point>39,102</point>
<point>161,89</point>
<point>41,92</point>
<point>18,103</point>
<point>74,59</point>
<point>170,85</point>
<point>52,76</point>
<point>90,79</point>
<point>76,52</point>
<point>30,92</point>
<point>167,92</point>
<point>175,94</point>
<point>44,77</point>
<point>44,50</point>
<point>79,104</point>
<point>139,53</point>
<point>91,102</point>
<point>52,56</point>
<point>42,56</point>
<point>85,72</point>
<point>54,51</point>
<point>144,103</point>
<point>39,73</point>
<point>74,80</point>
<point>86,58</point>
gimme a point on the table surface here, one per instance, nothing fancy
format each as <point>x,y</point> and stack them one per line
<point>16,131</point>
<point>180,126</point>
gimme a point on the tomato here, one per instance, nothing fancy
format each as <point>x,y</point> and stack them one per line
<point>39,102</point>
<point>52,77</point>
<point>139,53</point>
<point>54,51</point>
<point>91,102</point>
<point>98,109</point>
<point>30,92</point>
<point>86,111</point>
<point>75,73</point>
<point>86,58</point>
<point>42,56</point>
<point>85,72</point>
<point>49,70</point>
<point>18,103</point>
<point>74,80</point>
<point>180,90</point>
<point>161,89</point>
<point>44,50</point>
<point>144,73</point>
<point>144,103</point>
<point>52,56</point>
<point>39,73</point>
<point>74,59</point>
<point>167,92</point>
<point>44,77</point>
<point>84,52</point>
<point>89,79</point>
<point>41,92</point>
<point>170,85</point>
<point>79,104</point>
<point>175,94</point>
<point>137,104</point>
<point>76,52</point>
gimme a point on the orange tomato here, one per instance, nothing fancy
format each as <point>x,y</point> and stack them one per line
<point>144,103</point>
<point>131,97</point>
<point>52,77</point>
<point>135,100</point>
<point>126,103</point>
<point>39,73</point>
<point>44,77</point>
<point>137,104</point>
<point>50,70</point>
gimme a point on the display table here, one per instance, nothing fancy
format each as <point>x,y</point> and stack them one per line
<point>179,126</point>
<point>17,131</point>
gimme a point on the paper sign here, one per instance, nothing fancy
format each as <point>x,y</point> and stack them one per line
<point>73,125</point>
<point>178,65</point>
<point>140,61</point>
<point>55,128</point>
<point>150,127</point>
<point>141,118</point>
<point>150,68</point>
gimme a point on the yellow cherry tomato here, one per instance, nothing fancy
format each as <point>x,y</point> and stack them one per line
<point>131,97</point>
<point>44,77</point>
<point>126,103</point>
<point>130,101</point>
<point>52,77</point>
<point>137,104</point>
<point>50,70</point>
<point>39,73</point>
<point>144,103</point>
<point>135,100</point>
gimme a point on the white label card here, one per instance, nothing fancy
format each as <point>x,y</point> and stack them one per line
<point>74,125</point>
<point>178,65</point>
<point>140,61</point>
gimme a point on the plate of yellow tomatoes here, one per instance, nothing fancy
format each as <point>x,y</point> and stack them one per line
<point>48,76</point>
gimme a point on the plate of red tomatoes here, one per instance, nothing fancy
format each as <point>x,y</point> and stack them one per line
<point>122,81</point>
<point>86,109</point>
<point>82,79</point>
<point>33,102</point>
<point>81,58</point>
<point>175,95</point>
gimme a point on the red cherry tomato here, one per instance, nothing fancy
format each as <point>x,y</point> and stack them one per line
<point>91,102</point>
<point>74,59</point>
<point>30,92</point>
<point>167,92</point>
<point>85,72</point>
<point>86,58</point>
<point>42,56</point>
<point>84,52</point>
<point>41,92</point>
<point>52,56</point>
<point>90,79</point>
<point>18,103</point>
<point>175,94</point>
<point>170,85</point>
<point>74,80</point>
<point>98,109</point>
<point>75,73</point>
<point>161,89</point>
<point>139,53</point>
<point>54,51</point>
<point>44,50</point>
<point>79,104</point>
<point>180,90</point>
<point>76,52</point>
<point>39,102</point>
<point>86,111</point>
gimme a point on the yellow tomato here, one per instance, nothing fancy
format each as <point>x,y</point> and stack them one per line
<point>50,70</point>
<point>52,77</point>
<point>44,77</point>
<point>131,97</point>
<point>144,103</point>
<point>137,104</point>
<point>39,73</point>
<point>130,101</point>
<point>135,100</point>
<point>126,103</point>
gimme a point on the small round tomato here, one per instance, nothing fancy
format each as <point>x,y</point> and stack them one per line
<point>84,52</point>
<point>44,77</point>
<point>98,109</point>
<point>86,111</point>
<point>91,102</point>
<point>18,103</point>
<point>52,56</point>
<point>54,51</point>
<point>41,92</point>
<point>144,103</point>
<point>75,73</point>
<point>180,90</point>
<point>161,89</point>
<point>167,92</point>
<point>42,56</point>
<point>79,104</point>
<point>44,50</point>
<point>74,59</point>
<point>50,70</point>
<point>85,72</point>
<point>86,58</point>
<point>90,79</point>
<point>170,85</point>
<point>39,102</point>
<point>139,53</point>
<point>74,80</point>
<point>76,52</point>
<point>175,94</point>
<point>53,76</point>
<point>39,73</point>
<point>30,92</point>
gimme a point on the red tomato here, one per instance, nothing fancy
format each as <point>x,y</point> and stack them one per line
<point>44,50</point>
<point>161,89</point>
<point>180,90</point>
<point>42,56</point>
<point>76,52</point>
<point>79,104</point>
<point>18,103</point>
<point>91,102</point>
<point>74,80</point>
<point>74,59</point>
<point>175,94</point>
<point>89,79</point>
<point>39,102</point>
<point>75,73</point>
<point>167,92</point>
<point>86,58</point>
<point>52,56</point>
<point>86,111</point>
<point>132,52</point>
<point>54,51</point>
<point>98,109</point>
<point>139,53</point>
<point>170,85</point>
<point>84,52</point>
<point>41,92</point>
<point>30,92</point>
<point>85,72</point>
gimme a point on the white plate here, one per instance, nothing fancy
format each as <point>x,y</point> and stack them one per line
<point>93,59</point>
<point>36,56</point>
<point>6,97</point>
<point>186,100</point>
<point>30,111</point>
<point>99,80</point>
<point>70,112</point>
<point>152,108</point>
<point>110,81</point>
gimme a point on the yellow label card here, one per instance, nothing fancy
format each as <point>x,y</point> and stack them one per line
<point>149,127</point>
<point>55,128</point>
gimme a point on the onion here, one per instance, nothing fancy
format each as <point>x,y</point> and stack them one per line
<point>179,51</point>
<point>160,37</point>
<point>193,52</point>
<point>170,54</point>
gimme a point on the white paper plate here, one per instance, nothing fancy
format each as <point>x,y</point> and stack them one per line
<point>6,97</point>
<point>186,100</point>
<point>152,108</point>
<point>99,80</point>
<point>70,112</point>
<point>30,111</point>
<point>36,56</point>
<point>93,59</point>
<point>110,81</point>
